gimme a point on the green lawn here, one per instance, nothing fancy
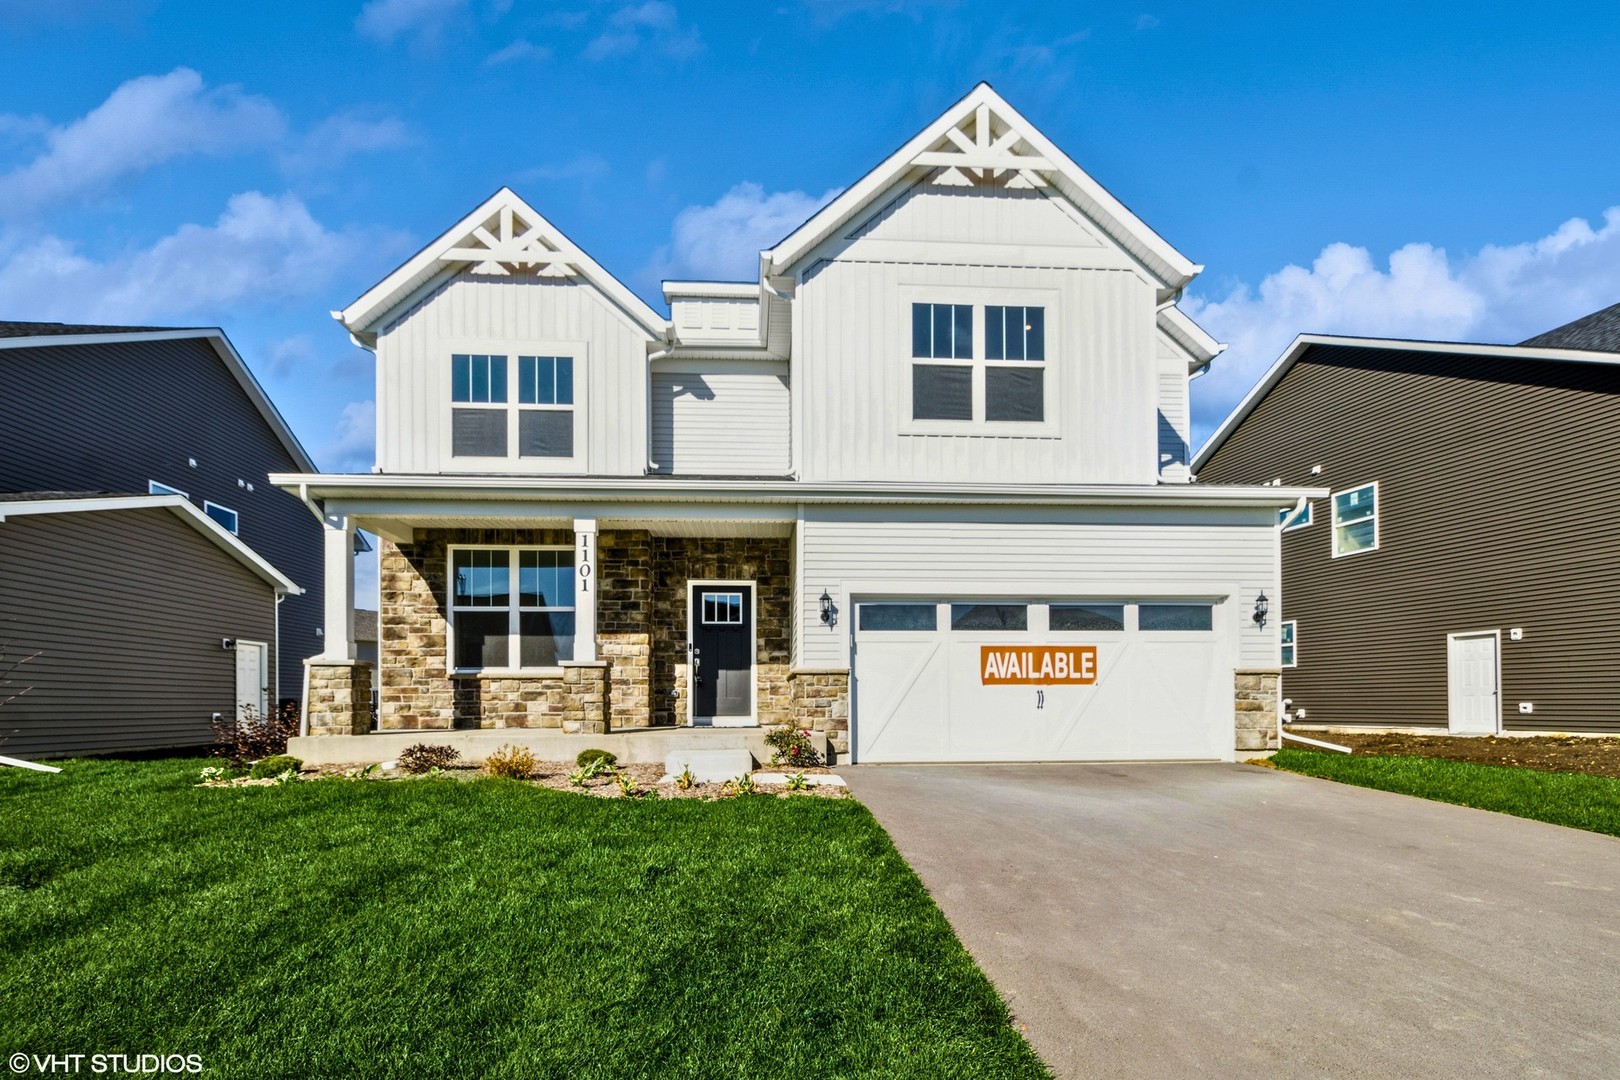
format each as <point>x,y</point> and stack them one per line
<point>440,928</point>
<point>1574,799</point>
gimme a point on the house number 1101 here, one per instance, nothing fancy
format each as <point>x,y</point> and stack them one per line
<point>584,562</point>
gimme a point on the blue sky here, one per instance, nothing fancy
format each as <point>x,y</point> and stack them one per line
<point>1435,170</point>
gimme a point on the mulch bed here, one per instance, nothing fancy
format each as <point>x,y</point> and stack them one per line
<point>1549,753</point>
<point>554,775</point>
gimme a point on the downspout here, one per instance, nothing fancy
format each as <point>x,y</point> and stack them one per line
<point>280,596</point>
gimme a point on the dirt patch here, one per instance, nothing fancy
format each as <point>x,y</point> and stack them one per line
<point>1550,753</point>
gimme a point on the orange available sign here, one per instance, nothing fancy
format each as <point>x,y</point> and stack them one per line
<point>1037,665</point>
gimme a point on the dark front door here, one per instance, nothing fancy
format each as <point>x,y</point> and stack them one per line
<point>722,668</point>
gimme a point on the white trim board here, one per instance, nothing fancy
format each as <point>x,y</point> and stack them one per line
<point>181,507</point>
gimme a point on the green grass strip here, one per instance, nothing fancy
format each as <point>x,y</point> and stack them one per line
<point>439,928</point>
<point>1573,799</point>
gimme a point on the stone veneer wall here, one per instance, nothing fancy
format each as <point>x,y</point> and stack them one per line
<point>339,699</point>
<point>1256,703</point>
<point>821,703</point>
<point>624,623</point>
<point>767,561</point>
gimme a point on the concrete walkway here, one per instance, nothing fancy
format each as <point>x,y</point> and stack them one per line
<point>1232,921</point>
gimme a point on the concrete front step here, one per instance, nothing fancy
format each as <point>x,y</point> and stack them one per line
<point>638,746</point>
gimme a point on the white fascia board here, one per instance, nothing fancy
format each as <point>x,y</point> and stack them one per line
<point>182,508</point>
<point>587,489</point>
<point>1303,342</point>
<point>222,347</point>
<point>361,317</point>
<point>726,290</point>
<point>1173,268</point>
<point>1193,339</point>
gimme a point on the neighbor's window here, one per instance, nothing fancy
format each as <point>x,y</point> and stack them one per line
<point>1295,519</point>
<point>222,514</point>
<point>153,487</point>
<point>1175,617</point>
<point>511,607</point>
<point>942,391</point>
<point>1015,369</point>
<point>898,617</point>
<point>1355,520</point>
<point>989,617</point>
<point>478,379</point>
<point>1090,617</point>
<point>1290,653</point>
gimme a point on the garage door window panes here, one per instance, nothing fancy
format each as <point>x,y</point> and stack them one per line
<point>1175,617</point>
<point>990,617</point>
<point>1090,617</point>
<point>899,617</point>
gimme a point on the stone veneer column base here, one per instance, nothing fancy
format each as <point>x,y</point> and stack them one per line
<point>339,698</point>
<point>585,697</point>
<point>819,699</point>
<point>1257,703</point>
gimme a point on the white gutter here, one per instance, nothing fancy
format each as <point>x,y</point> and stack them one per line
<point>19,763</point>
<point>1310,742</point>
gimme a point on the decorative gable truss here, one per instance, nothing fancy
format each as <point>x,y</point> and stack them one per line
<point>509,244</point>
<point>985,150</point>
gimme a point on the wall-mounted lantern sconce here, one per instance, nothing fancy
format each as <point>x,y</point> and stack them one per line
<point>227,643</point>
<point>826,608</point>
<point>1261,607</point>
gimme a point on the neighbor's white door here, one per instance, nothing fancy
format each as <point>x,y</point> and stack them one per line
<point>252,690</point>
<point>1472,664</point>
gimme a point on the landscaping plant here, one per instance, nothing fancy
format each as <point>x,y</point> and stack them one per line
<point>686,781</point>
<point>274,766</point>
<point>510,763</point>
<point>425,757</point>
<point>792,746</point>
<point>247,736</point>
<point>595,759</point>
<point>627,783</point>
<point>798,782</point>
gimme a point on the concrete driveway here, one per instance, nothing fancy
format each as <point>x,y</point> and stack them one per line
<point>1232,921</point>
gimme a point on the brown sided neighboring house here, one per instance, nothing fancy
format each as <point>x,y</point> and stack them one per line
<point>1462,574</point>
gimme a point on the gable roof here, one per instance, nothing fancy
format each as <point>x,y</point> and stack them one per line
<point>983,133</point>
<point>504,236</point>
<point>48,335</point>
<point>56,502</point>
<point>1304,343</point>
<point>1599,330</point>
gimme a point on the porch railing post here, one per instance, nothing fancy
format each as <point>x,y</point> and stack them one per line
<point>586,581</point>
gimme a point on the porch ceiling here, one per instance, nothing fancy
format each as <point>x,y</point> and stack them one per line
<point>401,529</point>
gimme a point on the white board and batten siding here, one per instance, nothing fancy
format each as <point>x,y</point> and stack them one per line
<point>853,355</point>
<point>721,418</point>
<point>1174,421</point>
<point>551,316</point>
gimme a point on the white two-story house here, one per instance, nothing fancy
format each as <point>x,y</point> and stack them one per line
<point>921,486</point>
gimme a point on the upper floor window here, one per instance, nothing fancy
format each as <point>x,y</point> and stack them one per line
<point>999,377</point>
<point>1290,647</point>
<point>222,514</point>
<point>544,405</point>
<point>1355,520</point>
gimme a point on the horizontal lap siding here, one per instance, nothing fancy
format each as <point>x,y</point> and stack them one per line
<point>1496,511</point>
<point>1004,553</point>
<point>123,613</point>
<point>728,421</point>
<point>110,417</point>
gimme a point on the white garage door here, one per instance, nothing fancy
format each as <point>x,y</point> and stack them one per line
<point>1065,680</point>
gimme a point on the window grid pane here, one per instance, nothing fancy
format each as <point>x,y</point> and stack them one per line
<point>942,331</point>
<point>899,617</point>
<point>478,378</point>
<point>1105,617</point>
<point>546,579</point>
<point>989,617</point>
<point>995,333</point>
<point>1175,617</point>
<point>483,578</point>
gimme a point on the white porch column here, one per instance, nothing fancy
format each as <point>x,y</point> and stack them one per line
<point>338,542</point>
<point>585,582</point>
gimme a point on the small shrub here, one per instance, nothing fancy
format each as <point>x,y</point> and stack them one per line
<point>275,765</point>
<point>686,781</point>
<point>286,776</point>
<point>798,782</point>
<point>244,737</point>
<point>425,757</point>
<point>588,758</point>
<point>627,785</point>
<point>578,777</point>
<point>363,774</point>
<point>742,785</point>
<point>214,773</point>
<point>510,763</point>
<point>792,746</point>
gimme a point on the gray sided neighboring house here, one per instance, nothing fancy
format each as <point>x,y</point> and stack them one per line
<point>1480,594</point>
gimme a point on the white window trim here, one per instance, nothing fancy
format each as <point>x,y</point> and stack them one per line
<point>979,298</point>
<point>158,487</point>
<point>514,610</point>
<point>752,719</point>
<point>1294,644</point>
<point>1300,519</point>
<point>444,385</point>
<point>1333,514</point>
<point>233,530</point>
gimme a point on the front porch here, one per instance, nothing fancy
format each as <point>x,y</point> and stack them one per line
<point>557,633</point>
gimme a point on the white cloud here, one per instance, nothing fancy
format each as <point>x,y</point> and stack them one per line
<point>521,49</point>
<point>144,122</point>
<point>1498,294</point>
<point>654,23</point>
<point>723,240</point>
<point>337,138</point>
<point>263,249</point>
<point>387,20</point>
<point>353,445</point>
